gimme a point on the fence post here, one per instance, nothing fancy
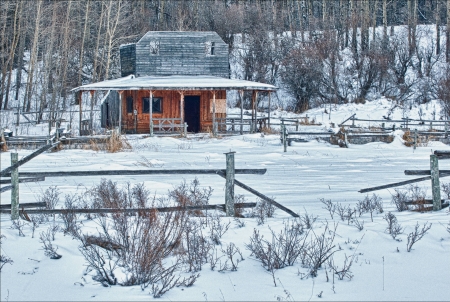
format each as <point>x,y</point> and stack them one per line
<point>185,129</point>
<point>15,187</point>
<point>57,124</point>
<point>415,138</point>
<point>3,147</point>
<point>446,128</point>
<point>284,138</point>
<point>296,124</point>
<point>435,186</point>
<point>229,184</point>
<point>431,125</point>
<point>215,129</point>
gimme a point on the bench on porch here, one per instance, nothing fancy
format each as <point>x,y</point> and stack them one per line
<point>167,125</point>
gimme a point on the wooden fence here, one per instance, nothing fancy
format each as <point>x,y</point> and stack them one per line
<point>228,173</point>
<point>434,175</point>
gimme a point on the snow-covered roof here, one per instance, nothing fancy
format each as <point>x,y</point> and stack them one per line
<point>177,82</point>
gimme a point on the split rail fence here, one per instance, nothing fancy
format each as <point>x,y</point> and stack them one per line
<point>15,208</point>
<point>434,174</point>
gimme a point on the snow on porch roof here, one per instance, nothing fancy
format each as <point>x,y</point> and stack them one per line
<point>176,82</point>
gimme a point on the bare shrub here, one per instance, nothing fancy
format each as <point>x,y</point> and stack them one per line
<point>35,221</point>
<point>408,139</point>
<point>417,234</point>
<point>358,224</point>
<point>18,225</point>
<point>46,239</point>
<point>417,196</point>
<point>343,272</point>
<point>69,217</point>
<point>50,197</point>
<point>400,199</point>
<point>308,220</point>
<point>3,258</point>
<point>282,249</point>
<point>345,212</point>
<point>342,211</point>
<point>446,188</point>
<point>117,143</point>
<point>233,256</point>
<point>140,244</point>
<point>102,261</point>
<point>413,194</point>
<point>329,206</point>
<point>191,195</point>
<point>393,228</point>
<point>195,247</point>
<point>262,211</point>
<point>167,281</point>
<point>238,200</point>
<point>369,205</point>
<point>217,228</point>
<point>319,250</point>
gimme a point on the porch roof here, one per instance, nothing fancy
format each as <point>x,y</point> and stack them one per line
<point>176,82</point>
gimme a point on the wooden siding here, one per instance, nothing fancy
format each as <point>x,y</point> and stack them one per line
<point>128,59</point>
<point>170,108</point>
<point>182,53</point>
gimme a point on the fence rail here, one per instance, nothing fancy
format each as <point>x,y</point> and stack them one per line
<point>434,175</point>
<point>228,174</point>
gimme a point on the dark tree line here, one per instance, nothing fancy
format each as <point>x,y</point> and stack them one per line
<point>49,47</point>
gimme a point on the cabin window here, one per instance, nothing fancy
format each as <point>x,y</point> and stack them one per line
<point>210,48</point>
<point>129,104</point>
<point>156,106</point>
<point>154,48</point>
<point>213,44</point>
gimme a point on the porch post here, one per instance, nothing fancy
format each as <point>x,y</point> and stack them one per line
<point>182,106</point>
<point>79,122</point>
<point>268,112</point>
<point>241,92</point>
<point>91,116</point>
<point>150,113</point>
<point>120,111</point>
<point>214,114</point>
<point>256,111</point>
<point>253,111</point>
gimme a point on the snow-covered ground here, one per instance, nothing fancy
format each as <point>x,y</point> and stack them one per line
<point>298,179</point>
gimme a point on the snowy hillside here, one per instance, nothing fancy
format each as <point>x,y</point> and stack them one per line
<point>302,179</point>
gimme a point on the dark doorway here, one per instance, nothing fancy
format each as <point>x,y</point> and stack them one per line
<point>192,113</point>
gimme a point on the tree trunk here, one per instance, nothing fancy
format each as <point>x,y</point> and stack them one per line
<point>80,66</point>
<point>48,64</point>
<point>447,48</point>
<point>385,25</point>
<point>438,28</point>
<point>33,59</point>
<point>374,19</point>
<point>354,25</point>
<point>63,91</point>
<point>9,64</point>
<point>20,54</point>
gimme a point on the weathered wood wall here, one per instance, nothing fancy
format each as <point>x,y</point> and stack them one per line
<point>177,53</point>
<point>170,108</point>
<point>128,59</point>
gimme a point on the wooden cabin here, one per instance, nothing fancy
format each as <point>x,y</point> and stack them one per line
<point>169,79</point>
